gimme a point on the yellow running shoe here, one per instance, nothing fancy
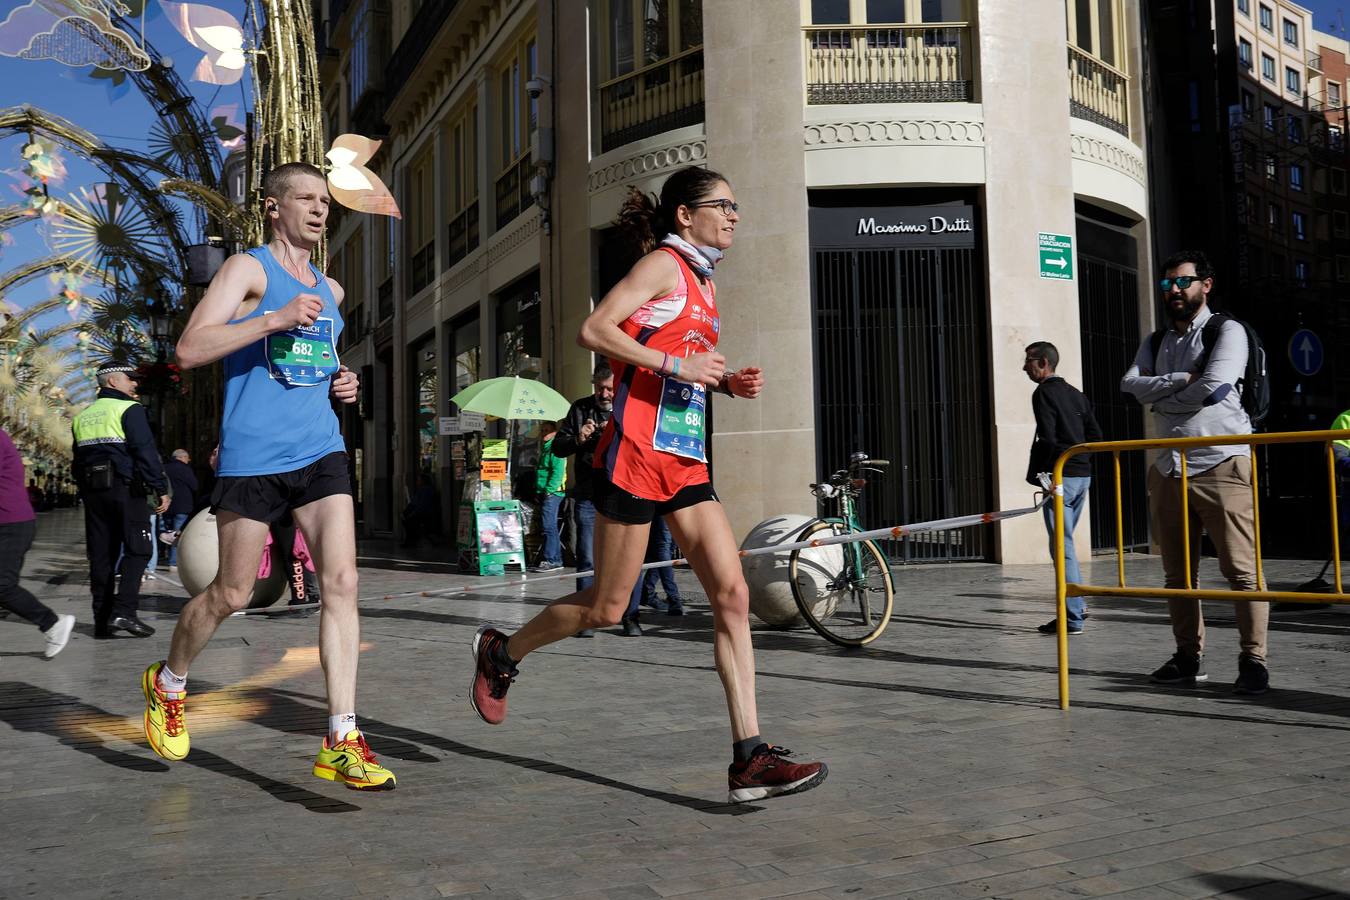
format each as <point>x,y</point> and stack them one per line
<point>351,762</point>
<point>165,721</point>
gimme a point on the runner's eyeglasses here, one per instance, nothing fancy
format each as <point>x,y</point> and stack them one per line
<point>726,206</point>
<point>1181,281</point>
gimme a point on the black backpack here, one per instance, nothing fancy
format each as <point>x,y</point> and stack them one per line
<point>1254,385</point>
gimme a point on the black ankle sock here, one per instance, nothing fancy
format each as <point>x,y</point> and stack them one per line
<point>741,751</point>
<point>502,658</point>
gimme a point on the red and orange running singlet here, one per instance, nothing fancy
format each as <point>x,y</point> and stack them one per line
<point>653,445</point>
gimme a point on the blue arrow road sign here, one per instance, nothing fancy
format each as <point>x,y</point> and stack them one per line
<point>1305,352</point>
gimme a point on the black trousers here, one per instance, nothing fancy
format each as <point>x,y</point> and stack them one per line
<point>116,522</point>
<point>15,539</point>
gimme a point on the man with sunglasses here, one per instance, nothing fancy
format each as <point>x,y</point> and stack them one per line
<point>1193,391</point>
<point>118,467</point>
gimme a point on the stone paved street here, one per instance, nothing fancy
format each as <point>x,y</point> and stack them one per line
<point>953,772</point>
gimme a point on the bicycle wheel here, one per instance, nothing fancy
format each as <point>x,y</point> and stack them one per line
<point>842,606</point>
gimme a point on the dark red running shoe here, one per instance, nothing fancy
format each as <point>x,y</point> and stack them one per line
<point>490,680</point>
<point>769,774</point>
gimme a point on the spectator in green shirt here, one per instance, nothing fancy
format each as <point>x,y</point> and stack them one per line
<point>549,480</point>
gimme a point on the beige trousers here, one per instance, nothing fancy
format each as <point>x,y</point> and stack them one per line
<point>1221,503</point>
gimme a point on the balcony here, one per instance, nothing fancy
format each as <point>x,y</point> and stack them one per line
<point>1314,62</point>
<point>416,41</point>
<point>1098,92</point>
<point>921,63</point>
<point>660,97</point>
<point>513,191</point>
<point>370,48</point>
<point>463,233</point>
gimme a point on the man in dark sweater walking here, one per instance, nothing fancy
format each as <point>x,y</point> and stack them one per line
<point>1063,418</point>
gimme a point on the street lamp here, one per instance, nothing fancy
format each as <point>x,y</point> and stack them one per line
<point>161,325</point>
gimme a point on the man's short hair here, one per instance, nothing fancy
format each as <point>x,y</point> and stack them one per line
<point>602,373</point>
<point>1196,258</point>
<point>277,183</point>
<point>180,455</point>
<point>1044,350</point>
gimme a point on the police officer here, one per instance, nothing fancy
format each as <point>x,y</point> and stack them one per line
<point>122,481</point>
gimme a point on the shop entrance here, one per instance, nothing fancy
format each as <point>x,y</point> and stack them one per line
<point>902,366</point>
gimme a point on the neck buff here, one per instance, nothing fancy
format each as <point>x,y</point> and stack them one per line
<point>700,259</point>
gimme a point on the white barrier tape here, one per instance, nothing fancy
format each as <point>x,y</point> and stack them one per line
<point>893,533</point>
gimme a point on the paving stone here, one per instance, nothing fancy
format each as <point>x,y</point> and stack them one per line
<point>953,772</point>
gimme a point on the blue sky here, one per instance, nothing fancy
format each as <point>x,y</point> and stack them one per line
<point>1330,16</point>
<point>121,120</point>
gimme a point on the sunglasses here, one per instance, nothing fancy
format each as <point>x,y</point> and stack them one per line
<point>726,206</point>
<point>1181,281</point>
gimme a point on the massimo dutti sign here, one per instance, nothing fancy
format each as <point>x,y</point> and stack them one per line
<point>887,227</point>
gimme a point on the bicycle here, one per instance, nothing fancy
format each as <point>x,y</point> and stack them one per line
<point>847,596</point>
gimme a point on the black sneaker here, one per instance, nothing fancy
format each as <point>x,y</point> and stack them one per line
<point>631,628</point>
<point>545,566</point>
<point>1253,677</point>
<point>1052,627</point>
<point>1183,668</point>
<point>676,608</point>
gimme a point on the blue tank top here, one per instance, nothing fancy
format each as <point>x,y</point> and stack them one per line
<point>277,416</point>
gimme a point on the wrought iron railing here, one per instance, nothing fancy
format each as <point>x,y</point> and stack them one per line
<point>929,62</point>
<point>422,270</point>
<point>463,233</point>
<point>513,191</point>
<point>1098,92</point>
<point>426,24</point>
<point>656,98</point>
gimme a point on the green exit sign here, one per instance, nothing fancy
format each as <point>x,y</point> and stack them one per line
<point>1056,256</point>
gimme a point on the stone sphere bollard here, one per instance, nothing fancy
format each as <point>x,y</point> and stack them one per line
<point>199,561</point>
<point>767,576</point>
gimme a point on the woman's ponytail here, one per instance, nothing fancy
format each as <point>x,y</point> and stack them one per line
<point>639,220</point>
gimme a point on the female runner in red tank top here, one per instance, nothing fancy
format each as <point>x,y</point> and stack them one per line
<point>659,328</point>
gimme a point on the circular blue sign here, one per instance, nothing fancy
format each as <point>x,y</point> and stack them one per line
<point>1305,352</point>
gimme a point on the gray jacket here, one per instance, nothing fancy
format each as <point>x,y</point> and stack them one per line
<point>1209,405</point>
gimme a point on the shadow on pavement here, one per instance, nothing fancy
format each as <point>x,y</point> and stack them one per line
<point>286,702</point>
<point>85,728</point>
<point>1264,887</point>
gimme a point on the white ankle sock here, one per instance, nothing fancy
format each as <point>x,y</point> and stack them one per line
<point>340,726</point>
<point>171,683</point>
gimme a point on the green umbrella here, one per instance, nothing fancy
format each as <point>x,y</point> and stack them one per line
<point>513,397</point>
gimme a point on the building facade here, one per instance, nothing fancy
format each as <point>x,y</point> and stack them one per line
<point>1248,162</point>
<point>926,187</point>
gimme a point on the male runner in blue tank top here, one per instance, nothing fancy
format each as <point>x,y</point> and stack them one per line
<point>273,318</point>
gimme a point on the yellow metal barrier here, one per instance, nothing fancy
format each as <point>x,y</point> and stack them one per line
<point>1063,590</point>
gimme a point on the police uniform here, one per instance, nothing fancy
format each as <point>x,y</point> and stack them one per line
<point>117,467</point>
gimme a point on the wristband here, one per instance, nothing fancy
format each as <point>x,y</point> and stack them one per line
<point>675,367</point>
<point>724,384</point>
<point>665,365</point>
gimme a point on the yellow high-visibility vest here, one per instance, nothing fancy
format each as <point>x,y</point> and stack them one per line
<point>101,422</point>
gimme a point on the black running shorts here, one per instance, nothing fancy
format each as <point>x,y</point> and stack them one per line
<point>615,503</point>
<point>267,498</point>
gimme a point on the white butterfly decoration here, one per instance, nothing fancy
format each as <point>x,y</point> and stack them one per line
<point>214,32</point>
<point>352,184</point>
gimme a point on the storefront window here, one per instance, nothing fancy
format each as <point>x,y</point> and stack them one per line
<point>518,351</point>
<point>424,468</point>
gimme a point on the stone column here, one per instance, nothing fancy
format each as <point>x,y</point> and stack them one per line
<point>763,451</point>
<point>1028,189</point>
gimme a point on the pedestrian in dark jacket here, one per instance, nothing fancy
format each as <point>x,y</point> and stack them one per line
<point>184,483</point>
<point>1063,418</point>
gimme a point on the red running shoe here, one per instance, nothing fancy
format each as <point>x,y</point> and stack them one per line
<point>490,682</point>
<point>769,774</point>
